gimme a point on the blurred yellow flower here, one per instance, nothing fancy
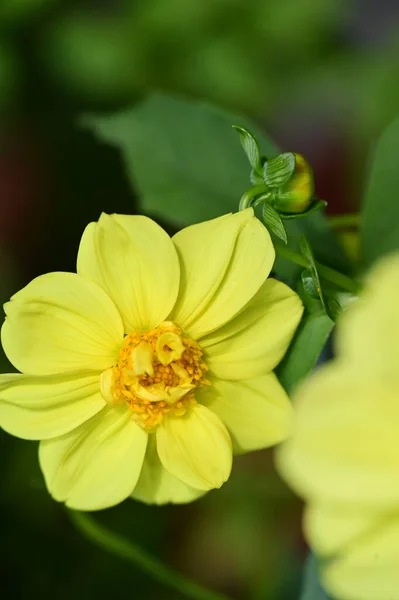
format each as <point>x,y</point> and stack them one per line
<point>343,457</point>
<point>147,369</point>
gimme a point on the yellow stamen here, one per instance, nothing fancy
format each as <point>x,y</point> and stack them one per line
<point>155,374</point>
<point>169,348</point>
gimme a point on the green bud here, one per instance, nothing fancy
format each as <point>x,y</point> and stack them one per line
<point>297,194</point>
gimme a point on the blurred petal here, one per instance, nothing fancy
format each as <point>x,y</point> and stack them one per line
<point>345,443</point>
<point>36,408</point>
<point>97,465</point>
<point>256,412</point>
<point>157,486</point>
<point>255,341</point>
<point>196,448</point>
<point>367,569</point>
<point>135,261</point>
<point>60,322</point>
<point>223,263</point>
<point>331,528</point>
<point>368,333</point>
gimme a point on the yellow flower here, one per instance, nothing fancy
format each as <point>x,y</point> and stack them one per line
<point>343,457</point>
<point>144,371</point>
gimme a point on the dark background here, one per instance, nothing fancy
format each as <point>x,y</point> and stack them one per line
<point>321,78</point>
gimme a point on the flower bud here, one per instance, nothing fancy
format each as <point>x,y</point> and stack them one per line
<point>296,195</point>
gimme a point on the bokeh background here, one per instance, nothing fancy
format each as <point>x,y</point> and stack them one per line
<point>318,77</point>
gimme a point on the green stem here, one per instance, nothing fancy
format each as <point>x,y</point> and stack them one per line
<point>249,195</point>
<point>348,220</point>
<point>125,549</point>
<point>325,272</point>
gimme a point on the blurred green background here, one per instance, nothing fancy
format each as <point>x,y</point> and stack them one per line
<point>105,106</point>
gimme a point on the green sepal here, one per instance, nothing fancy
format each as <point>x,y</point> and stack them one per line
<point>279,169</point>
<point>316,205</point>
<point>273,221</point>
<point>251,147</point>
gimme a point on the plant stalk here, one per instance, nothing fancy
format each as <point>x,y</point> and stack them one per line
<point>126,550</point>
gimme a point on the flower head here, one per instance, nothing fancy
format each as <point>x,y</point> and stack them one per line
<point>343,457</point>
<point>297,194</point>
<point>147,369</point>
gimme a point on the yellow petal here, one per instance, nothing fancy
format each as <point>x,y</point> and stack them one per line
<point>136,263</point>
<point>142,357</point>
<point>345,443</point>
<point>36,408</point>
<point>256,412</point>
<point>223,264</point>
<point>195,448</point>
<point>97,465</point>
<point>368,333</point>
<point>255,341</point>
<point>330,529</point>
<point>60,322</point>
<point>368,568</point>
<point>157,486</point>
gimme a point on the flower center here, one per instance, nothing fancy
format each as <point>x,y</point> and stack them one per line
<point>155,374</point>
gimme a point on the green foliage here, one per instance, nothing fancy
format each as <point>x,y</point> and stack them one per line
<point>93,56</point>
<point>379,222</point>
<point>16,11</point>
<point>312,589</point>
<point>334,308</point>
<point>182,156</point>
<point>309,284</point>
<point>9,75</point>
<point>305,349</point>
<point>310,277</point>
<point>323,243</point>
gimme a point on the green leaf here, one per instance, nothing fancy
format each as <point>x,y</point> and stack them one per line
<point>273,221</point>
<point>181,156</point>
<point>306,251</point>
<point>309,284</point>
<point>334,308</point>
<point>317,205</point>
<point>311,587</point>
<point>250,145</point>
<point>379,222</point>
<point>323,241</point>
<point>305,349</point>
<point>312,271</point>
<point>279,169</point>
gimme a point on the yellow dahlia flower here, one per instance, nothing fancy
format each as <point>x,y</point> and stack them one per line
<point>343,457</point>
<point>143,372</point>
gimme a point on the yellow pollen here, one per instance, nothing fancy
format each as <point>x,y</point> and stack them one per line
<point>155,374</point>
